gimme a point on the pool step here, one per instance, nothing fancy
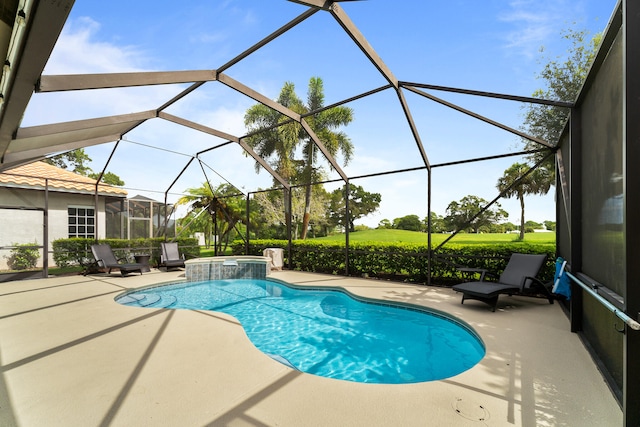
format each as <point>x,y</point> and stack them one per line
<point>167,301</point>
<point>148,300</point>
<point>131,299</point>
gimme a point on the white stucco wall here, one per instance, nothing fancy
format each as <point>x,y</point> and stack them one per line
<point>24,226</point>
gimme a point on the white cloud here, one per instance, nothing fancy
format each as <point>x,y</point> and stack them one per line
<point>228,120</point>
<point>77,51</point>
<point>536,23</point>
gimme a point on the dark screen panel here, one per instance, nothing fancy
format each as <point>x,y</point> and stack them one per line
<point>603,175</point>
<point>563,198</point>
<point>603,242</point>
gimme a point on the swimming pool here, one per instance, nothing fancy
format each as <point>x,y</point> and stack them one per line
<point>328,332</point>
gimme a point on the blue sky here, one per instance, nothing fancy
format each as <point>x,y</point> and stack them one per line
<point>491,46</point>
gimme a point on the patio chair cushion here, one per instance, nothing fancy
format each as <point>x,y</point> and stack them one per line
<point>171,257</point>
<point>105,258</point>
<point>518,278</point>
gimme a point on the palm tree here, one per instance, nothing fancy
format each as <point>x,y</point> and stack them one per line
<point>280,142</point>
<point>199,199</point>
<point>536,182</point>
<point>277,141</point>
<point>226,211</point>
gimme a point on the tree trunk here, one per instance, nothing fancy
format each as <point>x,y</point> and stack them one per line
<point>521,217</point>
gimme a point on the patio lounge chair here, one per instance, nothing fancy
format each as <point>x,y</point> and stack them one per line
<point>518,278</point>
<point>171,257</point>
<point>105,258</point>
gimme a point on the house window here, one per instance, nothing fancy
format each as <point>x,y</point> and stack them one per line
<point>82,221</point>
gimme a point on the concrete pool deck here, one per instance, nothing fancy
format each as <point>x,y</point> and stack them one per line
<point>71,356</point>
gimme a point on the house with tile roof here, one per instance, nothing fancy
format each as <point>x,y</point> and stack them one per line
<point>40,203</point>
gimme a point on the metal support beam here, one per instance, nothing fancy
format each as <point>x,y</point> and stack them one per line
<point>264,164</point>
<point>489,94</point>
<point>268,39</point>
<point>287,219</point>
<point>359,39</point>
<point>347,101</point>
<point>324,150</point>
<point>96,199</point>
<point>480,117</point>
<point>197,126</point>
<point>45,231</point>
<point>248,225</point>
<point>414,129</point>
<point>165,220</point>
<point>256,96</point>
<point>228,137</point>
<point>429,225</point>
<point>88,124</point>
<point>179,175</point>
<point>575,209</point>
<point>631,138</point>
<point>61,83</point>
<point>43,27</point>
<point>16,158</point>
<point>36,142</point>
<point>321,4</point>
<point>179,96</point>
<point>347,222</point>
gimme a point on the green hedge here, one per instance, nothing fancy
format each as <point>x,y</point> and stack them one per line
<point>77,251</point>
<point>400,261</point>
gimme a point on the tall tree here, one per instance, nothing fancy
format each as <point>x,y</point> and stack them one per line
<point>76,161</point>
<point>408,222</point>
<point>437,223</point>
<point>361,204</point>
<point>536,182</point>
<point>271,139</point>
<point>279,142</point>
<point>108,178</point>
<point>384,224</point>
<point>465,214</point>
<point>272,211</point>
<point>563,79</point>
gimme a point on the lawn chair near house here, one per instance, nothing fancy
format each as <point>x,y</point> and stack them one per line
<point>105,258</point>
<point>171,257</point>
<point>518,278</point>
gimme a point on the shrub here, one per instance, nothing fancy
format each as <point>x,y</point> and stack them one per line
<point>23,257</point>
<point>400,261</point>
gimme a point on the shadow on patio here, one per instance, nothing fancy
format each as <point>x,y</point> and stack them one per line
<point>72,356</point>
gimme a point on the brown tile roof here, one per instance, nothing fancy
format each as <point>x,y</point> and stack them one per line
<point>33,175</point>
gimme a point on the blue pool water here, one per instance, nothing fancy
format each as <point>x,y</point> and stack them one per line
<point>329,333</point>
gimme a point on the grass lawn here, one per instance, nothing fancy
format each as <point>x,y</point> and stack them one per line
<point>208,252</point>
<point>386,235</point>
<point>60,271</point>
